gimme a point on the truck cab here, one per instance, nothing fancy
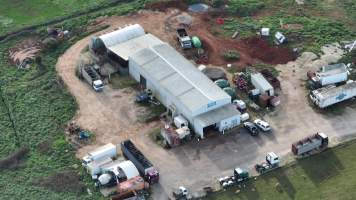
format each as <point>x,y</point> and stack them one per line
<point>240,174</point>
<point>272,159</point>
<point>98,85</point>
<point>152,176</point>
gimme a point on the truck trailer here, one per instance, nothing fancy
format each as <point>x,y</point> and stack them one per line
<point>317,141</point>
<point>144,166</point>
<point>92,77</point>
<point>106,151</point>
<point>329,74</point>
<point>327,96</point>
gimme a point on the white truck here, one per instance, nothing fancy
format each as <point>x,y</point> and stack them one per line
<point>330,74</point>
<point>184,39</point>
<point>327,96</point>
<point>92,77</point>
<point>106,151</point>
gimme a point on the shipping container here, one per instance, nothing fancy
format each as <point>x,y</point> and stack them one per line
<point>327,96</point>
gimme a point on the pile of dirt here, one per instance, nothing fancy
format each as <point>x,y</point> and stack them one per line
<point>14,160</point>
<point>66,181</point>
<point>164,5</point>
<point>262,50</point>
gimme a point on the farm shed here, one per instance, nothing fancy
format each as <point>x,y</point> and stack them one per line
<point>259,82</point>
<point>182,88</point>
<point>126,41</point>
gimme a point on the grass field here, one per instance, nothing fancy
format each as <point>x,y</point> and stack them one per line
<point>39,106</point>
<point>312,25</point>
<point>330,175</point>
<point>16,14</point>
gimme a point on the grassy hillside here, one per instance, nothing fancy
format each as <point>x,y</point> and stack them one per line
<point>34,108</point>
<point>330,175</point>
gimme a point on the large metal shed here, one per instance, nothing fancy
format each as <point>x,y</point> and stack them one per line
<point>178,84</point>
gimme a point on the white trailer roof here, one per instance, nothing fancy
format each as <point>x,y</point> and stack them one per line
<point>217,115</point>
<point>261,81</point>
<point>122,35</point>
<point>130,47</point>
<point>331,91</point>
<point>179,77</point>
<point>102,149</point>
<point>332,70</point>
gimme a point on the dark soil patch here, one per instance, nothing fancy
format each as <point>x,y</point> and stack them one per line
<point>14,160</point>
<point>164,5</point>
<point>262,50</point>
<point>252,50</point>
<point>66,181</point>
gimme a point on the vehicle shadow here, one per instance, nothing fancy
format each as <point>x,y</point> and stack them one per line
<point>322,166</point>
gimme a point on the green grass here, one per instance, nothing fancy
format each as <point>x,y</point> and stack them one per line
<point>17,13</point>
<point>328,175</point>
<point>322,22</point>
<point>40,107</point>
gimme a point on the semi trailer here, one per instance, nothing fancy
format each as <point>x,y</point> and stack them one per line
<point>144,166</point>
<point>92,77</point>
<point>107,151</point>
<point>328,75</point>
<point>330,95</point>
<point>318,141</point>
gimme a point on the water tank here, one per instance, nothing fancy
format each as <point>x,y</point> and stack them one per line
<point>230,91</point>
<point>196,42</point>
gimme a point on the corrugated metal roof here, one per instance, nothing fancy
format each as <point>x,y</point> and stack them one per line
<point>217,115</point>
<point>332,70</point>
<point>262,82</point>
<point>130,47</point>
<point>178,76</point>
<point>122,35</point>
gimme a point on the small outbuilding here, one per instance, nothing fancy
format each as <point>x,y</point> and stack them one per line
<point>259,82</point>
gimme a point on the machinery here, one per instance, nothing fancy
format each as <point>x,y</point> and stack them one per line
<point>318,141</point>
<point>279,38</point>
<point>240,175</point>
<point>130,187</point>
<point>143,165</point>
<point>181,193</point>
<point>184,39</point>
<point>272,162</point>
<point>92,77</point>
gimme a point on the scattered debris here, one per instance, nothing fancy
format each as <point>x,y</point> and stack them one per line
<point>24,53</point>
<point>199,7</point>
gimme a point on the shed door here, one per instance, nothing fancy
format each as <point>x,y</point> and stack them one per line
<point>143,82</point>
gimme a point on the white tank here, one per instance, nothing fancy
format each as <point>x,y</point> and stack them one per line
<point>104,179</point>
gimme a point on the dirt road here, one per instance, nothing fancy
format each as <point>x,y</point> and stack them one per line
<point>112,116</point>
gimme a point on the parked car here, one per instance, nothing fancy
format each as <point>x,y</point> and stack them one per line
<point>252,128</point>
<point>263,125</point>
